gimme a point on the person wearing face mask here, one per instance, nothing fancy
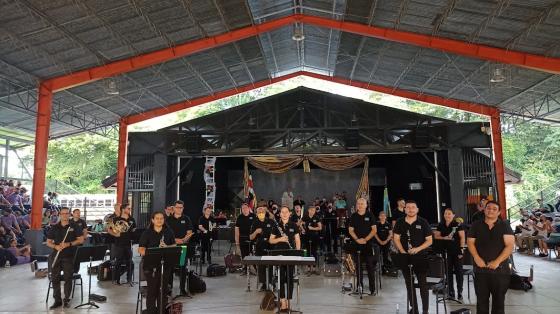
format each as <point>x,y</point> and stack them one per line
<point>260,234</point>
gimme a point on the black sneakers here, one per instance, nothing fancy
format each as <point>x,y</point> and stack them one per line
<point>55,305</point>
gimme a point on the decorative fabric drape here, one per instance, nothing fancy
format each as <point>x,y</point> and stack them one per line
<point>281,164</point>
<point>363,189</point>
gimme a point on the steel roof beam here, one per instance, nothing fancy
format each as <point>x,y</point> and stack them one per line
<point>521,59</point>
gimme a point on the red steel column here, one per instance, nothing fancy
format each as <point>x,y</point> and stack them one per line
<point>121,159</point>
<point>42,129</point>
<point>499,161</point>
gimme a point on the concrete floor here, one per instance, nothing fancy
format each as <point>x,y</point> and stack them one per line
<point>20,292</point>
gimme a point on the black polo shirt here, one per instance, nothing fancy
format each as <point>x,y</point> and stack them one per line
<point>362,223</point>
<point>244,224</point>
<point>489,243</point>
<point>180,226</point>
<point>397,214</point>
<point>150,239</point>
<point>295,218</point>
<point>479,215</point>
<point>452,246</point>
<point>383,229</point>
<point>418,231</point>
<point>79,225</point>
<point>290,229</point>
<point>205,222</point>
<point>312,222</point>
<point>57,233</point>
<point>126,237</point>
<point>267,226</point>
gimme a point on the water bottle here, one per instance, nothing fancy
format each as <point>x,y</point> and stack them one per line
<point>8,264</point>
<point>397,308</point>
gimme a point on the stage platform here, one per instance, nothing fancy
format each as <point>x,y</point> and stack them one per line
<point>20,292</point>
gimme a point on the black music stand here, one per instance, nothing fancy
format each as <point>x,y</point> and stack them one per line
<point>166,256</point>
<point>91,253</point>
<point>286,252</point>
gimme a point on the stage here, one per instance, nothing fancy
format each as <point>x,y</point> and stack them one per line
<point>22,293</point>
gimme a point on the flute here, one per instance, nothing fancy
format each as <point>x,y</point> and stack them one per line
<point>58,252</point>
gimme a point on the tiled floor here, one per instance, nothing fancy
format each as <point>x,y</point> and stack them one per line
<point>20,292</point>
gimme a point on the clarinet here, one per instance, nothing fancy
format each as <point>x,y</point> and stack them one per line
<point>409,244</point>
<point>283,234</point>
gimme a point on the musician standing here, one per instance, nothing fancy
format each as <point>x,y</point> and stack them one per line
<point>285,237</point>
<point>362,230</point>
<point>182,228</point>
<point>313,227</point>
<point>242,231</point>
<point>491,243</point>
<point>109,220</point>
<point>79,224</point>
<point>452,237</point>
<point>158,234</point>
<point>205,223</point>
<point>260,233</point>
<point>63,238</point>
<point>123,229</point>
<point>331,234</point>
<point>383,237</point>
<point>412,235</point>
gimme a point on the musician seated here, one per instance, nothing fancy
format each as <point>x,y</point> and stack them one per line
<point>362,230</point>
<point>63,239</point>
<point>286,236</point>
<point>158,234</point>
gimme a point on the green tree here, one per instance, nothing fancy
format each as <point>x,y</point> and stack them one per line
<point>82,162</point>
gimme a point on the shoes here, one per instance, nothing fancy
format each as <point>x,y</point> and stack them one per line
<point>459,296</point>
<point>66,303</point>
<point>543,255</point>
<point>55,305</point>
<point>451,295</point>
<point>183,293</point>
<point>372,292</point>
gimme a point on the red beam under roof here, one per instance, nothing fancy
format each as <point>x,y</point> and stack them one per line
<point>447,102</point>
<point>521,59</point>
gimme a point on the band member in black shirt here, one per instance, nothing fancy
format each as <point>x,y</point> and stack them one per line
<point>297,218</point>
<point>243,229</point>
<point>313,226</point>
<point>158,234</point>
<point>491,243</point>
<point>383,237</point>
<point>331,232</point>
<point>260,234</point>
<point>123,229</point>
<point>362,230</point>
<point>79,224</point>
<point>398,212</point>
<point>109,220</point>
<point>205,225</point>
<point>63,238</point>
<point>285,237</point>
<point>412,235</point>
<point>451,238</point>
<point>182,228</point>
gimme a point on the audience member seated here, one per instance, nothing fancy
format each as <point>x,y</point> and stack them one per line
<point>7,256</point>
<point>9,222</point>
<point>24,221</point>
<point>544,228</point>
<point>22,254</point>
<point>526,235</point>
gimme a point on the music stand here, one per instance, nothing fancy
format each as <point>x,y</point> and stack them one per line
<point>91,253</point>
<point>285,252</point>
<point>168,256</point>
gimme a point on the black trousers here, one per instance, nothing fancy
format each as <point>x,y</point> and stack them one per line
<point>244,246</point>
<point>205,247</point>
<point>123,262</point>
<point>420,269</point>
<point>331,238</point>
<point>491,284</point>
<point>286,282</point>
<point>385,249</point>
<point>454,266</point>
<point>312,244</point>
<point>366,257</point>
<point>64,264</point>
<point>153,279</point>
<point>261,270</point>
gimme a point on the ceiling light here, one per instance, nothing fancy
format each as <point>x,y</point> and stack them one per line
<point>112,88</point>
<point>498,76</point>
<point>298,33</point>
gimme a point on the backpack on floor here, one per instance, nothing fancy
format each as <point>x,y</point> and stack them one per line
<point>196,284</point>
<point>520,283</point>
<point>268,302</point>
<point>233,262</point>
<point>215,270</point>
<point>105,271</point>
